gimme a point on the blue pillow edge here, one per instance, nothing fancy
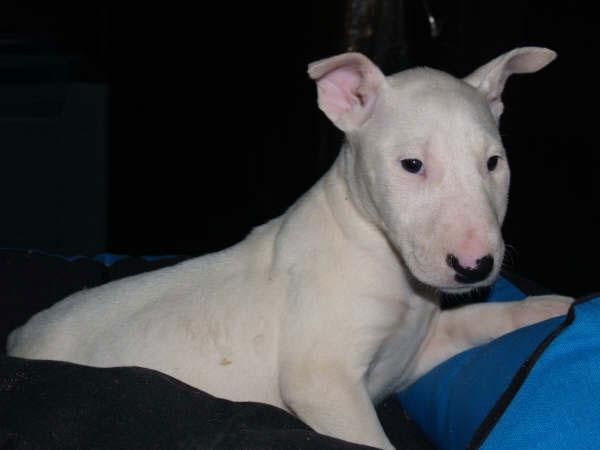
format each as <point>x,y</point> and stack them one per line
<point>107,259</point>
<point>487,425</point>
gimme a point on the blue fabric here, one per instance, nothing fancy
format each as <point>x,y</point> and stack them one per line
<point>555,408</point>
<point>452,400</point>
<point>107,259</point>
<point>503,290</point>
<point>481,373</point>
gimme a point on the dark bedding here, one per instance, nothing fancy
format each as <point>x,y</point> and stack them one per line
<point>56,405</point>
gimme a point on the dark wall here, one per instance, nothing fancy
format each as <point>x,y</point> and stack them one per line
<point>53,127</point>
<point>214,126</point>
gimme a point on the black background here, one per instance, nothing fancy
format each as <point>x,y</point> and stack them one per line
<point>214,127</point>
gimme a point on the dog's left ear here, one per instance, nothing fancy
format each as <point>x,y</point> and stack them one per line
<point>348,87</point>
<point>491,77</point>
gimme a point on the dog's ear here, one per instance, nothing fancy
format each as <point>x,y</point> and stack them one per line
<point>348,86</point>
<point>491,77</point>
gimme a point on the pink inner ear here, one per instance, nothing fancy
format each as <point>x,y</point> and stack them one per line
<point>530,61</point>
<point>339,91</point>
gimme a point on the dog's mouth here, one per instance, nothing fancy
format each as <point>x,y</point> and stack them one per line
<point>447,283</point>
<point>449,277</point>
<point>457,287</point>
<point>461,290</point>
<point>452,298</point>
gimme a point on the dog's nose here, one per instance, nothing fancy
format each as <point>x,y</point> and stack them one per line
<point>467,275</point>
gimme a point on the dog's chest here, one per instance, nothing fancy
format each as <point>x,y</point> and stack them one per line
<point>391,366</point>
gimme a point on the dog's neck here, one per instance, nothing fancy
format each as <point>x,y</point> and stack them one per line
<point>338,233</point>
<point>349,209</point>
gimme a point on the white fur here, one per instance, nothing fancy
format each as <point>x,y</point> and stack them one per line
<point>333,305</point>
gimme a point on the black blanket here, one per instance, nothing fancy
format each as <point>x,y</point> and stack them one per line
<point>58,405</point>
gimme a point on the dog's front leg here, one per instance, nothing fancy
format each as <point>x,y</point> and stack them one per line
<point>456,330</point>
<point>333,403</point>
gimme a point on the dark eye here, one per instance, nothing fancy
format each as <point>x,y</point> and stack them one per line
<point>492,163</point>
<point>411,165</point>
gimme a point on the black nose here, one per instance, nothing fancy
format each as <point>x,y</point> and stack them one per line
<point>469,275</point>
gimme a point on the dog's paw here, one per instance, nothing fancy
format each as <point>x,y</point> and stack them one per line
<point>541,307</point>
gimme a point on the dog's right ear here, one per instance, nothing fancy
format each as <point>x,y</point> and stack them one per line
<point>348,86</point>
<point>490,78</point>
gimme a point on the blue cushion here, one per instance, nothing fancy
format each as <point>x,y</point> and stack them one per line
<point>106,259</point>
<point>503,291</point>
<point>537,387</point>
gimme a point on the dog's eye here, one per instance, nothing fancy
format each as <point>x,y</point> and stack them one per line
<point>412,165</point>
<point>492,163</point>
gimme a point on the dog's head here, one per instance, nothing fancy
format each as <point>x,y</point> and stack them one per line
<point>424,159</point>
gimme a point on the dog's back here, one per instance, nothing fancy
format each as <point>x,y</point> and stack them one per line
<point>209,309</point>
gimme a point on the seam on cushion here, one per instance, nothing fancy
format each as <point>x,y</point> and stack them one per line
<point>498,410</point>
<point>500,407</point>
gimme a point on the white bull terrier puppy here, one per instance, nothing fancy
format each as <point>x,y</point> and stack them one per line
<point>334,305</point>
